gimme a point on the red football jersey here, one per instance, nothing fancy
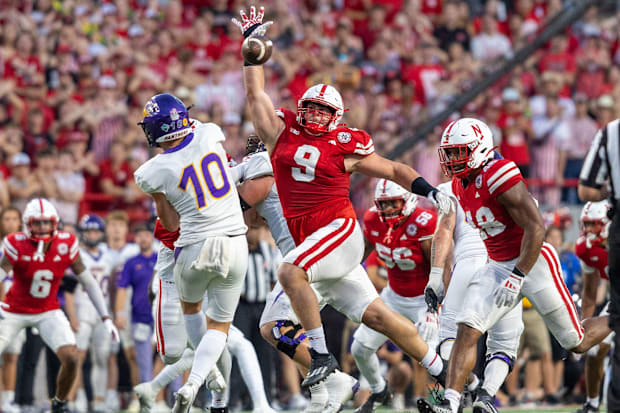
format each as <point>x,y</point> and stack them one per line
<point>310,174</point>
<point>36,281</point>
<point>594,257</point>
<point>166,237</point>
<point>499,232</point>
<point>407,267</point>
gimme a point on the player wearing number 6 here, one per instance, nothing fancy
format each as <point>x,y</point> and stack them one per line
<point>192,190</point>
<point>39,258</point>
<point>496,202</point>
<point>313,156</point>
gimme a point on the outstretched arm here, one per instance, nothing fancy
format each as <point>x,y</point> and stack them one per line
<point>267,124</point>
<point>168,216</point>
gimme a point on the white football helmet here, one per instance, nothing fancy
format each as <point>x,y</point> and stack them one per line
<point>318,121</point>
<point>466,144</point>
<point>40,209</point>
<point>389,191</point>
<point>593,221</point>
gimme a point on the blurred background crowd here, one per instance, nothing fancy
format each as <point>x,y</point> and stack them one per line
<point>74,76</point>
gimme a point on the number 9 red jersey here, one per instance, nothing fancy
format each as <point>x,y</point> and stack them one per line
<point>500,234</point>
<point>310,174</point>
<point>36,281</point>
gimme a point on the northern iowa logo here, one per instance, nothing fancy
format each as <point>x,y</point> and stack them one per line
<point>344,137</point>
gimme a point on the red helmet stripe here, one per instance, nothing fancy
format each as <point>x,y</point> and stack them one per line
<point>41,205</point>
<point>322,92</point>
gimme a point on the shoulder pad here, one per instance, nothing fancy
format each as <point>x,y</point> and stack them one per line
<point>212,131</point>
<point>355,141</point>
<point>258,164</point>
<point>20,236</point>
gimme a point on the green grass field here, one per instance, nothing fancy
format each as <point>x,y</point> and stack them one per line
<point>567,409</point>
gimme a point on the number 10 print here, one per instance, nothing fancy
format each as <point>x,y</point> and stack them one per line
<point>214,176</point>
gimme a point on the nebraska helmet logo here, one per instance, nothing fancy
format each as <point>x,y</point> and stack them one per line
<point>344,137</point>
<point>477,131</point>
<point>412,229</point>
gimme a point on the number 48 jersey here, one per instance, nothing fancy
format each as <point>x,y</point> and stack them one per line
<point>194,177</point>
<point>36,280</point>
<point>501,235</point>
<point>407,267</point>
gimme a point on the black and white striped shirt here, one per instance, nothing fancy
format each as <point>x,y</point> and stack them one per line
<point>262,273</point>
<point>603,160</point>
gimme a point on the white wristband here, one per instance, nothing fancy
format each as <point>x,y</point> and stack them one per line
<point>436,273</point>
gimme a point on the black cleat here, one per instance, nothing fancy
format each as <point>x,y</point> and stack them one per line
<point>425,406</point>
<point>219,410</point>
<point>375,400</point>
<point>485,403</point>
<point>588,408</point>
<point>321,366</point>
<point>441,377</point>
<point>60,406</point>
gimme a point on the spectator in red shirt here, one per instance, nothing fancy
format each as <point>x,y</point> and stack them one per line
<point>593,60</point>
<point>25,64</point>
<point>369,30</point>
<point>35,136</point>
<point>558,59</point>
<point>116,177</point>
<point>516,131</point>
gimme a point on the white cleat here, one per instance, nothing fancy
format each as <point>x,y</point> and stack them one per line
<point>341,388</point>
<point>264,409</point>
<point>9,406</point>
<point>297,402</point>
<point>185,398</point>
<point>215,380</point>
<point>160,407</point>
<point>318,398</point>
<point>146,396</point>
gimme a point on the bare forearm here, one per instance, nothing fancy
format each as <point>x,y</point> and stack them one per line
<point>530,248</point>
<point>442,241</point>
<point>404,175</point>
<point>119,304</point>
<point>261,109</point>
<point>588,294</point>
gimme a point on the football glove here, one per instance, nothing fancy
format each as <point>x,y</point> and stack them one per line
<point>433,289</point>
<point>111,329</point>
<point>507,293</point>
<point>428,327</point>
<point>253,25</point>
<point>441,201</point>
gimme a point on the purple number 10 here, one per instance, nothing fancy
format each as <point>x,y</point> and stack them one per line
<point>210,164</point>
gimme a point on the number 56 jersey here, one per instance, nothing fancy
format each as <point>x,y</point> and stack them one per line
<point>501,235</point>
<point>407,267</point>
<point>194,177</point>
<point>36,280</point>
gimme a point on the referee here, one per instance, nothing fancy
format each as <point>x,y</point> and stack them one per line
<point>602,165</point>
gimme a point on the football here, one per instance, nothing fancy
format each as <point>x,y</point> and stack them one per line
<point>256,50</point>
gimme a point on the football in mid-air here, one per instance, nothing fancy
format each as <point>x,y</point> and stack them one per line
<point>256,50</point>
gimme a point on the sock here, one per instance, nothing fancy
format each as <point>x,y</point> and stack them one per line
<point>196,326</point>
<point>100,379</point>
<point>208,352</point>
<point>473,384</point>
<point>495,373</point>
<point>224,364</point>
<point>594,402</point>
<point>445,349</point>
<point>243,350</point>
<point>432,362</point>
<point>368,364</point>
<point>454,398</point>
<point>172,371</point>
<point>8,395</point>
<point>316,339</point>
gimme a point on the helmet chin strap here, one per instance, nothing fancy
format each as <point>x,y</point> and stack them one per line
<point>39,255</point>
<point>388,235</point>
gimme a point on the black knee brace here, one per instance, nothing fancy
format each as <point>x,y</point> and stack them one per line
<point>287,342</point>
<point>503,357</point>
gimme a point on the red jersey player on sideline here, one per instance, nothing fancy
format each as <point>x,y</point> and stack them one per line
<point>591,248</point>
<point>402,235</point>
<point>39,257</point>
<point>312,157</point>
<point>495,200</point>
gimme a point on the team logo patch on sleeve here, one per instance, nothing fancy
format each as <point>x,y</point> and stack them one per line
<point>479,181</point>
<point>412,229</point>
<point>344,137</point>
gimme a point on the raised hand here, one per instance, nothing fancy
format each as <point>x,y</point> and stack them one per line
<point>253,25</point>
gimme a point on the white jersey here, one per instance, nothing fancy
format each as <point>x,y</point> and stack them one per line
<point>257,165</point>
<point>467,241</point>
<point>194,177</point>
<point>119,257</point>
<point>101,265</point>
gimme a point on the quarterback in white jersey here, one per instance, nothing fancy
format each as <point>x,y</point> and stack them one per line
<point>192,190</point>
<point>279,324</point>
<point>468,255</point>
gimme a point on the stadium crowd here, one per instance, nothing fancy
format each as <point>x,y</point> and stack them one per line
<point>75,74</point>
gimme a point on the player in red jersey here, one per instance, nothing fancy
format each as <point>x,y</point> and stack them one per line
<point>312,158</point>
<point>591,248</point>
<point>39,257</point>
<point>402,236</point>
<point>496,201</point>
